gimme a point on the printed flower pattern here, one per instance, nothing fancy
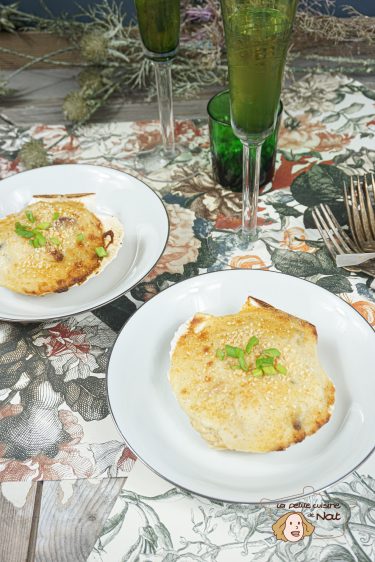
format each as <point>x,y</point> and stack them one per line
<point>294,239</point>
<point>247,262</point>
<point>183,247</point>
<point>52,376</point>
<point>367,309</point>
<point>306,134</point>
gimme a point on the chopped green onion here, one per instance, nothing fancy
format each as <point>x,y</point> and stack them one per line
<point>251,343</point>
<point>55,216</point>
<point>242,362</point>
<point>30,216</point>
<point>262,361</point>
<point>271,352</point>
<point>31,242</point>
<point>80,237</point>
<point>43,225</point>
<point>235,367</point>
<point>35,242</point>
<point>257,372</point>
<point>220,354</point>
<point>281,369</point>
<point>269,370</point>
<point>23,231</point>
<point>101,252</point>
<point>55,241</point>
<point>40,239</point>
<point>233,351</point>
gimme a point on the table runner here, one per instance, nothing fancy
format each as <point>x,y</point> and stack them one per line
<point>152,521</point>
<point>54,420</point>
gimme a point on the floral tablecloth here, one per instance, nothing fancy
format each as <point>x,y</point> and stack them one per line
<point>152,521</point>
<point>54,418</point>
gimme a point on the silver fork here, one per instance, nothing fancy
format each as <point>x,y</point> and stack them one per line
<point>336,239</point>
<point>360,211</point>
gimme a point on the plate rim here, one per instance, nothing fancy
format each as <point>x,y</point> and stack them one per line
<point>91,308</point>
<point>216,498</point>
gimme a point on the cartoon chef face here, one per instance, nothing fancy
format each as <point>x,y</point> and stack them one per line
<point>294,528</point>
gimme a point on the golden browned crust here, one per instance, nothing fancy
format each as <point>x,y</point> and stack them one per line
<point>54,267</point>
<point>235,410</point>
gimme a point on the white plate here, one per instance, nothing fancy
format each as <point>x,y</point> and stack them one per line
<point>159,432</point>
<point>140,211</point>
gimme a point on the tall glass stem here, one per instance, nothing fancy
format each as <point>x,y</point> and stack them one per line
<point>250,188</point>
<point>165,103</point>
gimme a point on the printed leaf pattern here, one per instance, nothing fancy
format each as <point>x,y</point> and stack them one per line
<point>52,376</point>
<point>199,529</point>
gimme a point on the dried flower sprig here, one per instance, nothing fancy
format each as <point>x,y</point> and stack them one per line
<point>113,59</point>
<point>33,154</point>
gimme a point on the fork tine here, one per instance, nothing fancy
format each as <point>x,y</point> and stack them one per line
<point>363,211</point>
<point>373,185</point>
<point>360,235</point>
<point>336,241</point>
<point>336,236</point>
<point>321,226</point>
<point>347,243</point>
<point>349,211</point>
<point>369,209</point>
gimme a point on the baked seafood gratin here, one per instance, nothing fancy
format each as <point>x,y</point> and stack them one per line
<point>251,381</point>
<point>54,243</point>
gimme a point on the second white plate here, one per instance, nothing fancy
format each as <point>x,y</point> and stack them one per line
<point>140,211</point>
<point>158,431</point>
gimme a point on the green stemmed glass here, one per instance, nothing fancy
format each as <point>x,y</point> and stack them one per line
<point>257,34</point>
<point>159,26</point>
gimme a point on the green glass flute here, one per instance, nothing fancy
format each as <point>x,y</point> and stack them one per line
<point>257,34</point>
<point>159,26</point>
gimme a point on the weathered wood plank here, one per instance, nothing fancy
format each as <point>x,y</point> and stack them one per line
<point>41,95</point>
<point>69,526</point>
<point>37,44</point>
<point>16,516</point>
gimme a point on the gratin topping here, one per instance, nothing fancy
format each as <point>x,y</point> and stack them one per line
<point>38,239</point>
<point>266,363</point>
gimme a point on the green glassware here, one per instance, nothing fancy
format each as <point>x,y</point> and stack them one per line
<point>159,26</point>
<point>226,148</point>
<point>257,34</point>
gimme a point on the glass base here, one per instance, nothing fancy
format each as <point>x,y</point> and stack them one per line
<point>155,160</point>
<point>229,245</point>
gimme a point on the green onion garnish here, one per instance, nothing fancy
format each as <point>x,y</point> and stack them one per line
<point>233,351</point>
<point>55,241</point>
<point>23,231</point>
<point>35,242</point>
<point>43,225</point>
<point>263,361</point>
<point>242,362</point>
<point>101,252</point>
<point>80,237</point>
<point>40,239</point>
<point>281,369</point>
<point>271,352</point>
<point>269,370</point>
<point>220,354</point>
<point>251,343</point>
<point>55,216</point>
<point>30,216</point>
